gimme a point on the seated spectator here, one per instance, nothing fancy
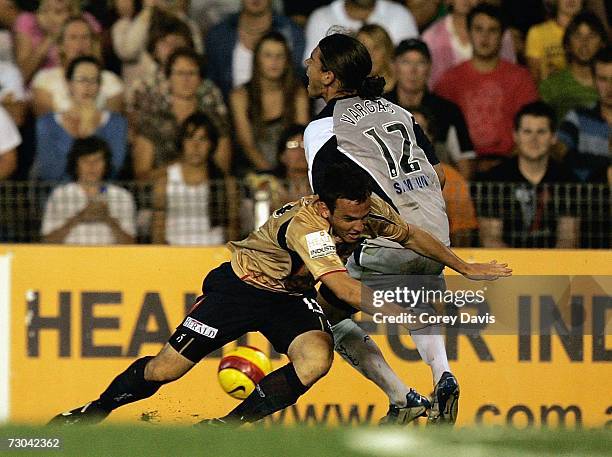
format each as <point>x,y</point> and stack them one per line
<point>13,96</point>
<point>55,132</point>
<point>488,89</point>
<point>380,47</point>
<point>544,46</point>
<point>412,66</point>
<point>586,131</point>
<point>49,85</point>
<point>89,210</point>
<point>268,103</point>
<point>449,41</point>
<point>523,202</point>
<point>289,180</point>
<point>140,20</point>
<point>187,92</point>
<point>9,140</point>
<point>573,86</point>
<point>192,201</point>
<point>231,43</point>
<point>36,34</point>
<point>462,223</point>
<point>352,14</point>
<point>151,68</point>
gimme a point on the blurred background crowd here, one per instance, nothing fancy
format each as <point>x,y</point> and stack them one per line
<point>181,122</point>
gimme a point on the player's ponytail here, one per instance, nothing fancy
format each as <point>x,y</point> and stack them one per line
<point>372,87</point>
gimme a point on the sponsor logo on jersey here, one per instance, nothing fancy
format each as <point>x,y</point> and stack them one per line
<point>200,327</point>
<point>320,244</point>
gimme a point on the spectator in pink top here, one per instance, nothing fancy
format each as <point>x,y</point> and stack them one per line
<point>488,89</point>
<point>36,34</point>
<point>449,42</point>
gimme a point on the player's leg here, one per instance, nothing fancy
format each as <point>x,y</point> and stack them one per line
<point>140,380</point>
<point>407,269</point>
<point>363,354</point>
<point>310,356</point>
<point>214,320</point>
<point>445,401</point>
<point>295,326</point>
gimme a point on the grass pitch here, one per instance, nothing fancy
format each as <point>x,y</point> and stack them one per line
<point>157,440</point>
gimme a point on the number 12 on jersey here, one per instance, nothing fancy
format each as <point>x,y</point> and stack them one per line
<point>406,163</point>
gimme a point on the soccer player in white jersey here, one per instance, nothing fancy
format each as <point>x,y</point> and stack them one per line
<point>359,127</point>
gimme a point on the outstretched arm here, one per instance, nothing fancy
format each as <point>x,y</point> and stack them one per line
<point>425,244</point>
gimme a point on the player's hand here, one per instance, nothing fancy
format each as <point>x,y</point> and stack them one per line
<point>487,271</point>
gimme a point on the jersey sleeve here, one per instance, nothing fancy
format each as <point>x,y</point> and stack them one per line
<point>424,143</point>
<point>314,245</point>
<point>386,223</point>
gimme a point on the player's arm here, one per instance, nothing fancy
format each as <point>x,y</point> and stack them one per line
<point>360,296</point>
<point>441,175</point>
<point>390,225</point>
<point>427,245</point>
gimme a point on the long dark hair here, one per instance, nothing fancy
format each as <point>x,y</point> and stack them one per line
<point>218,195</point>
<point>289,85</point>
<point>350,62</point>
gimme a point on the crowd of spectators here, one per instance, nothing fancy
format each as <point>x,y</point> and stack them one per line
<point>159,120</point>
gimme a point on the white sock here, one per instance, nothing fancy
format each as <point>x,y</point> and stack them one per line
<point>363,354</point>
<point>430,345</point>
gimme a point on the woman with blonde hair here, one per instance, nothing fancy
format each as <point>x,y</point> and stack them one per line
<point>378,43</point>
<point>50,87</point>
<point>268,103</point>
<point>36,34</point>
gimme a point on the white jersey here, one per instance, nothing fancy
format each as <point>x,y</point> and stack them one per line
<point>384,140</point>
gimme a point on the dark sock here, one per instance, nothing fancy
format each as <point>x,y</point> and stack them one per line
<point>128,387</point>
<point>276,391</point>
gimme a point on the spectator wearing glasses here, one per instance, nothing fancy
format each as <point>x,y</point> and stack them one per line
<point>55,132</point>
<point>50,86</point>
<point>157,124</point>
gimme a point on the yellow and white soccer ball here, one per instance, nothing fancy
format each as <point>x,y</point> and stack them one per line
<point>241,370</point>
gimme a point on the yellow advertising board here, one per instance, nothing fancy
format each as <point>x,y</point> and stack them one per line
<point>79,316</point>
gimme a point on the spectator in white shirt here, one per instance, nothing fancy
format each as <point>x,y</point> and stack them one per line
<point>89,210</point>
<point>353,14</point>
<point>9,140</point>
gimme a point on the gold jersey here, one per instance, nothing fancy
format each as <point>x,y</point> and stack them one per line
<point>296,246</point>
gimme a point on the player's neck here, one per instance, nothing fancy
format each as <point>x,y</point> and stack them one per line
<point>330,93</point>
<point>485,64</point>
<point>533,170</point>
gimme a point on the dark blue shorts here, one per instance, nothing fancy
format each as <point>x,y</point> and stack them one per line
<point>229,307</point>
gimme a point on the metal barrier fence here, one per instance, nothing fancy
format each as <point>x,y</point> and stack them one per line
<point>493,214</point>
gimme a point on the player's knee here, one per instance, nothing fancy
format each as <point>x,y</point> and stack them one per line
<point>312,354</point>
<point>316,365</point>
<point>161,370</point>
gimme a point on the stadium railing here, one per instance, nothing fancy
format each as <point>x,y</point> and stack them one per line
<point>529,215</point>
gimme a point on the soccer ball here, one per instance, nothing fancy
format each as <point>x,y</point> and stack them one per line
<point>241,369</point>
